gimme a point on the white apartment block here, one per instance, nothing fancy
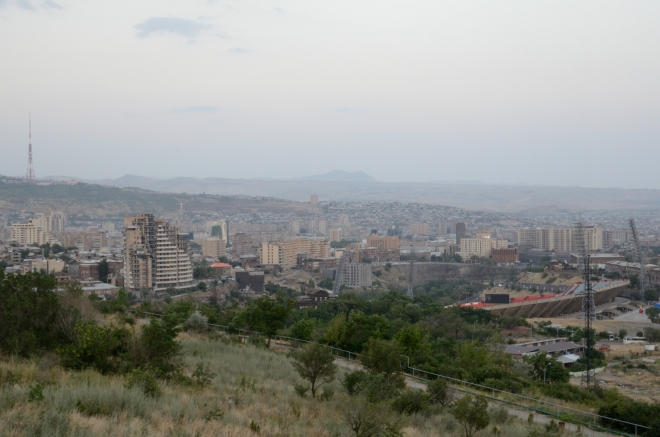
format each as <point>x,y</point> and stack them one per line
<point>560,239</point>
<point>480,247</point>
<point>31,232</point>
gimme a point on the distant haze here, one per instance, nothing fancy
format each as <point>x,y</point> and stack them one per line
<point>540,92</point>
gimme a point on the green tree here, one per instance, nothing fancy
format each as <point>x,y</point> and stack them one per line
<point>622,333</point>
<point>439,392</point>
<point>369,419</point>
<point>385,357</point>
<point>634,281</point>
<point>46,248</point>
<point>201,286</point>
<point>303,329</point>
<point>104,270</point>
<point>471,413</point>
<point>413,338</point>
<point>315,363</point>
<point>265,315</point>
<point>652,313</point>
<point>546,368</point>
<point>28,313</point>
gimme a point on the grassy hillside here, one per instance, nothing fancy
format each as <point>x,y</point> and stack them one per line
<point>98,200</point>
<point>251,394</point>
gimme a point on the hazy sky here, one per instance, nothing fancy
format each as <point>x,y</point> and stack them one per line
<point>549,92</point>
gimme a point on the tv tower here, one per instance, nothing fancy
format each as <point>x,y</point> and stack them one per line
<point>29,176</point>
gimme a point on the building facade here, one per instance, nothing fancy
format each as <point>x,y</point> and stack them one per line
<point>461,232</point>
<point>31,232</point>
<point>156,255</point>
<point>356,275</point>
<point>214,247</point>
<point>480,247</point>
<point>286,253</point>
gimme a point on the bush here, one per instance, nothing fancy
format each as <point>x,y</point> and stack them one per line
<point>95,347</point>
<point>301,389</point>
<point>146,381</point>
<point>202,376</point>
<point>411,402</point>
<point>197,322</point>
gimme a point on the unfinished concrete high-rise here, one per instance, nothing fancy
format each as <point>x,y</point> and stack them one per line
<point>156,255</point>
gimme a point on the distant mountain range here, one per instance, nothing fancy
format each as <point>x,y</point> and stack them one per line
<point>335,175</point>
<point>341,185</point>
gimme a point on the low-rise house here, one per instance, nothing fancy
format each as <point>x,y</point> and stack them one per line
<point>313,297</point>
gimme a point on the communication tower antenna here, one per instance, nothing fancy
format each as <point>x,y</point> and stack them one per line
<point>29,175</point>
<point>638,256</point>
<point>588,304</point>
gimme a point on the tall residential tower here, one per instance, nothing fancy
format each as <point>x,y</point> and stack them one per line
<point>156,254</point>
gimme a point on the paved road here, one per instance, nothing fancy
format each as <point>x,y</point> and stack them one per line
<point>538,418</point>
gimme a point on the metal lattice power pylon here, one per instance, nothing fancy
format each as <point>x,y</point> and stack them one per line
<point>588,304</point>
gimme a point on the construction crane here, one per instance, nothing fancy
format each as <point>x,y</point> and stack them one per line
<point>638,257</point>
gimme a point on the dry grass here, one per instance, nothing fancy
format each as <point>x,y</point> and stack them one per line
<point>253,390</point>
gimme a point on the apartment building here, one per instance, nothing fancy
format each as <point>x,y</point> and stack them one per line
<point>356,275</point>
<point>480,247</point>
<point>383,243</point>
<point>88,240</point>
<point>156,255</point>
<point>31,232</point>
<point>461,232</point>
<point>241,244</point>
<point>560,239</point>
<point>442,228</point>
<point>53,222</point>
<point>419,229</point>
<point>335,235</point>
<point>285,253</point>
<point>214,247</point>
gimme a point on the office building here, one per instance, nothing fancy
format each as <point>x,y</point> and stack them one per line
<point>156,255</point>
<point>219,229</point>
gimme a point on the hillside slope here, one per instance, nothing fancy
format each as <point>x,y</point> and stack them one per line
<point>99,200</point>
